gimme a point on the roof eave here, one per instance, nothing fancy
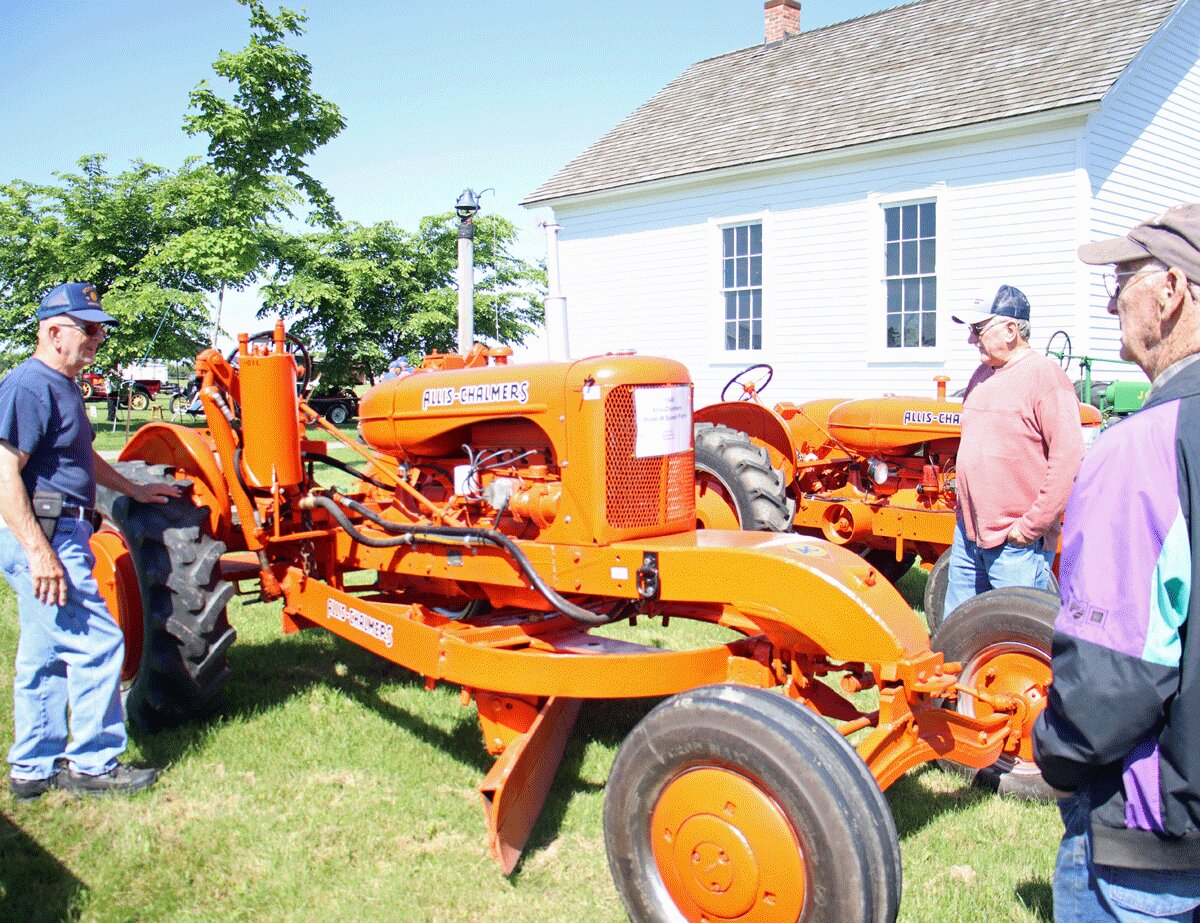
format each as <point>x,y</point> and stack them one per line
<point>1065,114</point>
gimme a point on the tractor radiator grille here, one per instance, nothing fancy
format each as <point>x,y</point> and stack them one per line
<point>642,492</point>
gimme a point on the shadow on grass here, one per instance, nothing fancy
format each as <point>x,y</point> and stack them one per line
<point>265,676</point>
<point>912,587</point>
<point>915,807</point>
<point>1038,897</point>
<point>34,886</point>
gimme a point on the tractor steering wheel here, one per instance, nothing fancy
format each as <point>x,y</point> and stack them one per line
<point>750,384</point>
<point>293,345</point>
<point>1059,348</point>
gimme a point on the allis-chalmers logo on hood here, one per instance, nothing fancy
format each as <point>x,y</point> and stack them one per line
<point>497,393</point>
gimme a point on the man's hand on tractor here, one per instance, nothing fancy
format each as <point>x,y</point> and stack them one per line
<point>154,493</point>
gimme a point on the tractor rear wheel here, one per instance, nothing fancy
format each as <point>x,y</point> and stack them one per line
<point>729,802</point>
<point>1002,639</point>
<point>158,570</point>
<point>736,485</point>
<point>935,591</point>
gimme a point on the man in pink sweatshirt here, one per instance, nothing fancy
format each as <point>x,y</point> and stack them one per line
<point>1021,447</point>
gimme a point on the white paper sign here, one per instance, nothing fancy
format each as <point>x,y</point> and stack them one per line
<point>664,420</point>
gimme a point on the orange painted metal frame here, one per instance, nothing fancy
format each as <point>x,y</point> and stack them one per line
<point>802,609</point>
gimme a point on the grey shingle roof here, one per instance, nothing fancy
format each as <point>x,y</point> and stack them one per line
<point>926,66</point>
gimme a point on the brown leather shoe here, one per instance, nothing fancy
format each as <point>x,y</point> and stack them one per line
<point>120,780</point>
<point>29,789</point>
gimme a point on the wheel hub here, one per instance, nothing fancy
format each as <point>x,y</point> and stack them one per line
<point>1019,672</point>
<point>715,508</point>
<point>726,850</point>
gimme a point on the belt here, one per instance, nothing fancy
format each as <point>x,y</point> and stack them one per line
<point>84,513</point>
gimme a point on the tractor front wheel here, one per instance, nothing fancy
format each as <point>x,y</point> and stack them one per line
<point>157,567</point>
<point>1002,639</point>
<point>736,485</point>
<point>732,803</point>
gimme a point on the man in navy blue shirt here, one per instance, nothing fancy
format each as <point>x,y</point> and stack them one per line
<point>71,649</point>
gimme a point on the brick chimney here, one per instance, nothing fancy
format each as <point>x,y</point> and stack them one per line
<point>781,19</point>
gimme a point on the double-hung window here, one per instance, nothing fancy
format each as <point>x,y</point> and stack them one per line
<point>910,274</point>
<point>741,273</point>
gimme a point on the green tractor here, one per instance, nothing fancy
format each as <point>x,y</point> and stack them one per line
<point>1114,399</point>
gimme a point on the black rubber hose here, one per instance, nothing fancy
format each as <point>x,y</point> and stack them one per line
<point>345,466</point>
<point>463,533</point>
<point>343,520</point>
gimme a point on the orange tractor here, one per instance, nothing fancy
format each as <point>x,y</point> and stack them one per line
<point>874,475</point>
<point>505,527</point>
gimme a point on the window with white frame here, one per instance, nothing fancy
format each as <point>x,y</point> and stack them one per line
<point>741,275</point>
<point>910,274</point>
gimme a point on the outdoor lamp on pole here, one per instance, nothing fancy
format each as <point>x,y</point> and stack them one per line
<point>466,207</point>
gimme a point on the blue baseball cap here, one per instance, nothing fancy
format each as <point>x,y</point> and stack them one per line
<point>1006,302</point>
<point>77,299</point>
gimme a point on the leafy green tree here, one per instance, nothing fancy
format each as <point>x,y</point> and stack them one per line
<point>155,241</point>
<point>258,142</point>
<point>100,228</point>
<point>370,293</point>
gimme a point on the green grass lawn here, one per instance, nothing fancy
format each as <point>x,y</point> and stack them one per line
<point>335,787</point>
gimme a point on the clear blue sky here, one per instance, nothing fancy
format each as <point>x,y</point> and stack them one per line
<point>438,95</point>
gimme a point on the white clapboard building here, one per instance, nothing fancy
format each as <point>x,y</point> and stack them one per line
<point>823,201</point>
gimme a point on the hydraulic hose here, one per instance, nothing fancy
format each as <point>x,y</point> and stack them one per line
<point>406,535</point>
<point>344,466</point>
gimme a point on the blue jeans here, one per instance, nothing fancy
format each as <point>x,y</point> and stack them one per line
<point>1086,892</point>
<point>68,660</point>
<point>974,570</point>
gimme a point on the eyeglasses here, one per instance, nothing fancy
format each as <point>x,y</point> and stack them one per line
<point>1115,281</point>
<point>979,327</point>
<point>90,329</point>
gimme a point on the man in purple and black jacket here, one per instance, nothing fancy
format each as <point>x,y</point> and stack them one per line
<point>1121,729</point>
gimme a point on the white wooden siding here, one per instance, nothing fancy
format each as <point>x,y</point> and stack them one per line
<point>641,273</point>
<point>1143,152</point>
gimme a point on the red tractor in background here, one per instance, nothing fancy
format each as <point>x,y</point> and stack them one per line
<point>874,475</point>
<point>140,385</point>
<point>505,528</point>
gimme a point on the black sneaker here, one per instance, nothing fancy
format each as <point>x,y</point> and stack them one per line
<point>121,780</point>
<point>29,789</point>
